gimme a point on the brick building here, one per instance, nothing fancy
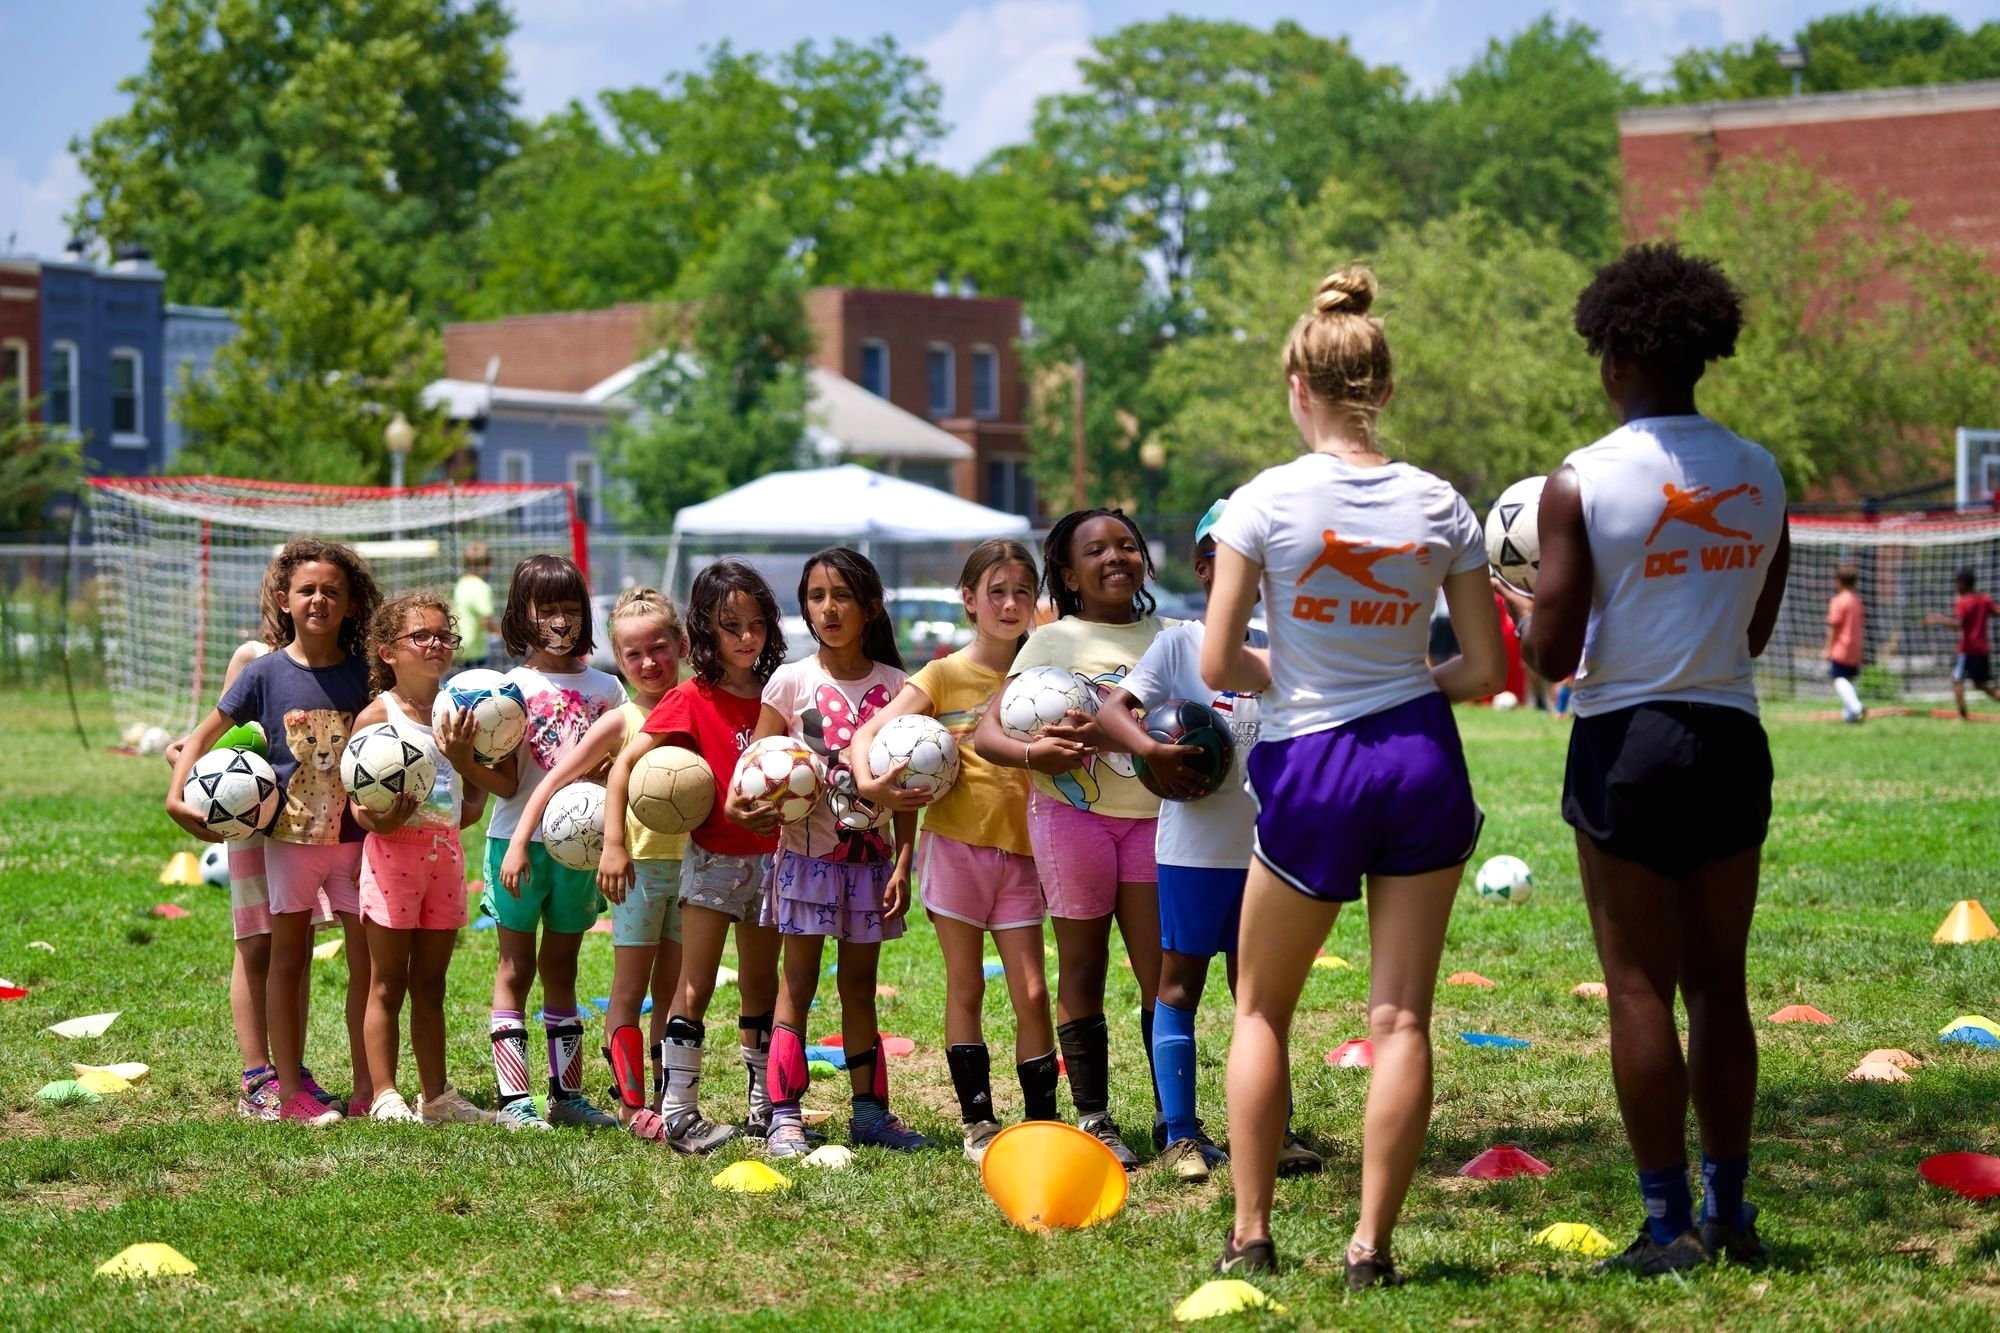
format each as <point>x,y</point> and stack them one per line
<point>20,331</point>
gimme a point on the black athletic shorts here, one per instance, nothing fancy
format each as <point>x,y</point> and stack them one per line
<point>1670,785</point>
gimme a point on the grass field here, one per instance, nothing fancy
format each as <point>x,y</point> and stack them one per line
<point>1879,829</point>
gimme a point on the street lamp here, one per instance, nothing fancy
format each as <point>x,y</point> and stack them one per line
<point>1153,463</point>
<point>1794,59</point>
<point>401,437</point>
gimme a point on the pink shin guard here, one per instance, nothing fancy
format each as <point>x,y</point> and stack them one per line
<point>627,1054</point>
<point>789,1076</point>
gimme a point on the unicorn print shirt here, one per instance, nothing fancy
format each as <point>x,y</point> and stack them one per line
<point>1107,784</point>
<point>825,713</point>
<point>562,706</point>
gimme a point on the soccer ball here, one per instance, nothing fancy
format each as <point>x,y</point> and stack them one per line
<point>1506,700</point>
<point>1185,722</point>
<point>672,789</point>
<point>781,772</point>
<point>499,711</point>
<point>1513,537</point>
<point>154,740</point>
<point>928,747</point>
<point>215,866</point>
<point>235,792</point>
<point>1040,696</point>
<point>382,762</point>
<point>573,826</point>
<point>1504,879</point>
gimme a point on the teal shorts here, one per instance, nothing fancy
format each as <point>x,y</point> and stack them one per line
<point>651,912</point>
<point>564,900</point>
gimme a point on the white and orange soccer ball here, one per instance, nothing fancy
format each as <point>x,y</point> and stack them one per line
<point>672,789</point>
<point>781,772</point>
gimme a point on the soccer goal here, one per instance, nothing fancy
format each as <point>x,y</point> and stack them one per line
<point>1905,566</point>
<point>177,563</point>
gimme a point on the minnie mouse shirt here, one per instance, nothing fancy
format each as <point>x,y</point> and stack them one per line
<point>825,713</point>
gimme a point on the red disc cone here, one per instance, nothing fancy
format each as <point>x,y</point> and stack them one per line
<point>1502,1161</point>
<point>1356,1054</point>
<point>1800,1013</point>
<point>1975,1175</point>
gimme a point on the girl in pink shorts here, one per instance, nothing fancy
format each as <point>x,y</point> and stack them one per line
<point>412,867</point>
<point>974,864</point>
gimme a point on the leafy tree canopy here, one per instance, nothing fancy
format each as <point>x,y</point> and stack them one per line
<point>1874,47</point>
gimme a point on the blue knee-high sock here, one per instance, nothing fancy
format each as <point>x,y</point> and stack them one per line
<point>1722,1188</point>
<point>1173,1067</point>
<point>1669,1205</point>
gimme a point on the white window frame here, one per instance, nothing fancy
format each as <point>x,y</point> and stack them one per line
<point>74,425</point>
<point>27,371</point>
<point>950,379</point>
<point>985,411</point>
<point>129,439</point>
<point>510,457</point>
<point>883,345</point>
<point>593,493</point>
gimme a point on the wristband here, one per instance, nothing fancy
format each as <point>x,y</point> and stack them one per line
<point>1027,754</point>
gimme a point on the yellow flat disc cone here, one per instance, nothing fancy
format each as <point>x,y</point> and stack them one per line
<point>1231,1295</point>
<point>1979,1021</point>
<point>1330,963</point>
<point>1044,1175</point>
<point>749,1178</point>
<point>327,950</point>
<point>1576,1237</point>
<point>150,1259</point>
<point>131,1071</point>
<point>181,868</point>
<point>103,1082</point>
<point>1965,923</point>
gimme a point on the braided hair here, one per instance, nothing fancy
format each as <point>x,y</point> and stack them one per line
<point>1056,559</point>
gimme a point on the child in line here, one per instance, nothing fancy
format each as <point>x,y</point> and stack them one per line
<point>975,866</point>
<point>836,875</point>
<point>1844,618</point>
<point>1971,612</point>
<point>318,598</point>
<point>734,644</point>
<point>547,622</point>
<point>1090,819</point>
<point>412,867</point>
<point>645,905</point>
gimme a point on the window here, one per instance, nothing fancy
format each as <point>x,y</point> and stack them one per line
<point>1009,488</point>
<point>14,372</point>
<point>513,467</point>
<point>875,367</point>
<point>583,475</point>
<point>985,382</point>
<point>937,361</point>
<point>128,399</point>
<point>62,394</point>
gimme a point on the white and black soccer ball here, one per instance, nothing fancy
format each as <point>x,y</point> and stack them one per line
<point>382,762</point>
<point>499,711</point>
<point>1504,879</point>
<point>672,790</point>
<point>1513,534</point>
<point>573,826</point>
<point>215,865</point>
<point>234,791</point>
<point>925,744</point>
<point>1041,696</point>
<point>780,771</point>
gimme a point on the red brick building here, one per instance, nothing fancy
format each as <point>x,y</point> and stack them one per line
<point>1937,148</point>
<point>21,328</point>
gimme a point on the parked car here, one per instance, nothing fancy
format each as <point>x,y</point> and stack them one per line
<point>930,622</point>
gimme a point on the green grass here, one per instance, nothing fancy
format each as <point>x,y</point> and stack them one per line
<point>1879,830</point>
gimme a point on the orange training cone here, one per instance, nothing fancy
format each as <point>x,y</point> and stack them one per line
<point>1044,1174</point>
<point>1965,923</point>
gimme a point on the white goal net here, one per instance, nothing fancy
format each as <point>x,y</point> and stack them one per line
<point>1905,564</point>
<point>178,563</point>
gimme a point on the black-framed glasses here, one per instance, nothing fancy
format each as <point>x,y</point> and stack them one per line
<point>425,638</point>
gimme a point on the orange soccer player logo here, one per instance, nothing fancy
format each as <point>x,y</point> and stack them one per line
<point>1357,561</point>
<point>1697,508</point>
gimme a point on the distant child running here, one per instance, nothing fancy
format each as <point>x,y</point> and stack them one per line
<point>412,866</point>
<point>974,861</point>
<point>836,876</point>
<point>1972,612</point>
<point>1844,638</point>
<point>547,622</point>
<point>318,599</point>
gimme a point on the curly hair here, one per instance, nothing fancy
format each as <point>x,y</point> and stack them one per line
<point>362,594</point>
<point>1670,311</point>
<point>878,632</point>
<point>1056,559</point>
<point>391,622</point>
<point>544,580</point>
<point>713,587</point>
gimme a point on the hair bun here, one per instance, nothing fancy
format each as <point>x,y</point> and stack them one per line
<point>1345,291</point>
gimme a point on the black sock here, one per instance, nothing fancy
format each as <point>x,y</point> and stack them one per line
<point>1152,1074</point>
<point>1086,1048</point>
<point>972,1080</point>
<point>1038,1087</point>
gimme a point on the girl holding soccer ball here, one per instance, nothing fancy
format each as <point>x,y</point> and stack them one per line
<point>974,860</point>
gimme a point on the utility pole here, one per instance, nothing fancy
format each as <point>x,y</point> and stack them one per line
<point>1076,437</point>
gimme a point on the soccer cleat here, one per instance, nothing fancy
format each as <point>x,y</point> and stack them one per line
<point>259,1098</point>
<point>977,1135</point>
<point>1259,1256</point>
<point>1210,1152</point>
<point>690,1133</point>
<point>1185,1158</point>
<point>887,1132</point>
<point>1646,1257</point>
<point>1296,1159</point>
<point>390,1108</point>
<point>1741,1244</point>
<point>451,1108</point>
<point>1105,1130</point>
<point>787,1138</point>
<point>520,1114</point>
<point>309,1110</point>
<point>1371,1270</point>
<point>575,1110</point>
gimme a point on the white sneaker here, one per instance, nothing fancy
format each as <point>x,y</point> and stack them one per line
<point>450,1108</point>
<point>390,1108</point>
<point>978,1135</point>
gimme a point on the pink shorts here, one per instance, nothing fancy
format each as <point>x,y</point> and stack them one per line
<point>250,898</point>
<point>296,874</point>
<point>1084,857</point>
<point>981,886</point>
<point>413,879</point>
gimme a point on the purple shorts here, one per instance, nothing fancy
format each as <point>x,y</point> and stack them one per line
<point>808,896</point>
<point>1385,794</point>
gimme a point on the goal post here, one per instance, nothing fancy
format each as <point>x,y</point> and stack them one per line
<point>177,564</point>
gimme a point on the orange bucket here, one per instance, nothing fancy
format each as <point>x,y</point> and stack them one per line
<point>1045,1175</point>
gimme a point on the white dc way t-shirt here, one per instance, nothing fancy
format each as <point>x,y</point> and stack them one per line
<point>1353,559</point>
<point>1213,832</point>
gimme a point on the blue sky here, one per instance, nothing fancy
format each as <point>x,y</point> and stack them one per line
<point>60,63</point>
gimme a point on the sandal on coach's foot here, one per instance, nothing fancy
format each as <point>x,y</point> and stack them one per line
<point>1372,1269</point>
<point>1258,1256</point>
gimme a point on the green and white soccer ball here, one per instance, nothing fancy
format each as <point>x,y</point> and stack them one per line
<point>1504,879</point>
<point>573,826</point>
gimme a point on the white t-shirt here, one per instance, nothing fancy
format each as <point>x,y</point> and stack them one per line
<point>562,706</point>
<point>1213,832</point>
<point>1353,559</point>
<point>440,810</point>
<point>825,713</point>
<point>1683,517</point>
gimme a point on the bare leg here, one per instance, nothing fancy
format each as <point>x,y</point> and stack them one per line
<point>800,981</point>
<point>666,984</point>
<point>291,959</point>
<point>389,954</point>
<point>430,959</point>
<point>703,933</point>
<point>249,977</point>
<point>515,975</point>
<point>557,965</point>
<point>1083,951</point>
<point>757,967</point>
<point>963,947</point>
<point>858,1023</point>
<point>356,949</point>
<point>1021,954</point>
<point>1718,902</point>
<point>1138,916</point>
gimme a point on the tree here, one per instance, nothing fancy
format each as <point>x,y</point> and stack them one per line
<point>374,123</point>
<point>320,367</point>
<point>725,401</point>
<point>1864,48</point>
<point>37,463</point>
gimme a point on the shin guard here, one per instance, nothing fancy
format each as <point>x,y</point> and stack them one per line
<point>659,1075</point>
<point>753,1034</point>
<point>565,1038</point>
<point>1038,1087</point>
<point>1086,1048</point>
<point>972,1079</point>
<point>510,1056</point>
<point>876,1067</point>
<point>789,1076</point>
<point>627,1054</point>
